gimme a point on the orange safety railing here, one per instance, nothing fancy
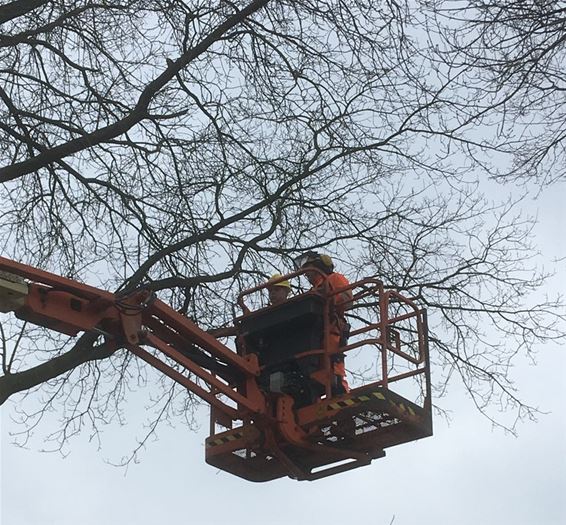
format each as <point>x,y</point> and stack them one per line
<point>382,332</point>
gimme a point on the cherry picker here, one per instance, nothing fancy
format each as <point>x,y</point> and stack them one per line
<point>274,411</point>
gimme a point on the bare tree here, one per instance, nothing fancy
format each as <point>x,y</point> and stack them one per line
<point>507,57</point>
<point>195,148</point>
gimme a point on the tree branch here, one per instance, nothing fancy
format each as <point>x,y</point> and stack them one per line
<point>137,114</point>
<point>82,352</point>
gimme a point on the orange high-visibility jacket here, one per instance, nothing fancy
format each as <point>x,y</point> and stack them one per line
<point>336,281</point>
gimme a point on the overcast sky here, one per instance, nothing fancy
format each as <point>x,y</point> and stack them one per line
<point>465,474</point>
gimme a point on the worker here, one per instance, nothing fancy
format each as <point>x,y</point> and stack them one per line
<point>278,290</point>
<point>339,328</point>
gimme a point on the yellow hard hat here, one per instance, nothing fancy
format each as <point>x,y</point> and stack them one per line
<point>274,277</point>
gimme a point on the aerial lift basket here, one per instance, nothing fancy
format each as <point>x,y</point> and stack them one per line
<point>275,407</point>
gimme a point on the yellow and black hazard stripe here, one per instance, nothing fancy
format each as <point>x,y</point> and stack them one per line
<point>222,440</point>
<point>355,400</point>
<point>364,398</point>
<point>403,408</point>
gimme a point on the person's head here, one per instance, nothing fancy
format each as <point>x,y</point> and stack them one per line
<point>278,291</point>
<point>314,260</point>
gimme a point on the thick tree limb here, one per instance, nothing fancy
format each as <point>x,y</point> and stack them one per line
<point>137,114</point>
<point>82,352</point>
<point>18,8</point>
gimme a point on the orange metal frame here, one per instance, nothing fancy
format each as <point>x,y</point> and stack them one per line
<point>325,374</point>
<point>295,446</point>
<point>138,320</point>
<point>367,287</point>
<point>271,426</point>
